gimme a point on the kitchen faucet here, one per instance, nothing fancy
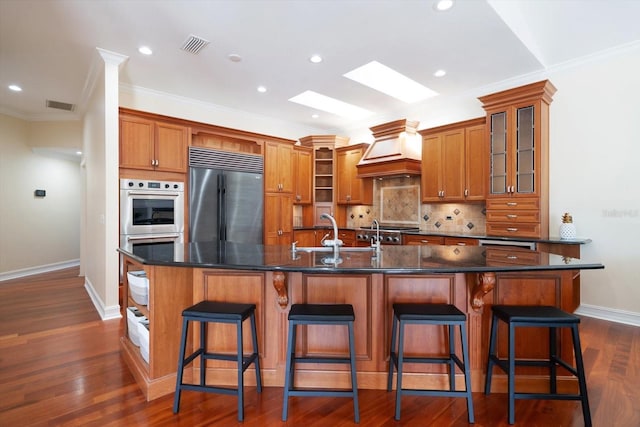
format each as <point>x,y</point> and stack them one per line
<point>335,242</point>
<point>376,243</point>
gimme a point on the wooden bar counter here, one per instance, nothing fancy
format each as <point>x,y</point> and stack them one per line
<point>274,277</point>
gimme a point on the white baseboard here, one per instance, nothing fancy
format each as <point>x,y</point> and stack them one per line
<point>15,274</point>
<point>610,314</point>
<point>105,312</point>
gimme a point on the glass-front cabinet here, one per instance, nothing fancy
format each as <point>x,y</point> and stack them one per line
<point>514,158</point>
<point>518,133</point>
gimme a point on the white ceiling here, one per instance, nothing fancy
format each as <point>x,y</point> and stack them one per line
<point>48,48</point>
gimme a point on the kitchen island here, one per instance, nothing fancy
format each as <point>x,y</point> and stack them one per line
<point>274,277</point>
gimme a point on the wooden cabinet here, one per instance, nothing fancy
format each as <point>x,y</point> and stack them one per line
<point>350,189</point>
<point>164,308</point>
<point>278,196</point>
<point>417,239</point>
<point>152,145</point>
<point>453,159</point>
<point>518,135</point>
<point>348,237</point>
<point>278,167</point>
<point>278,219</point>
<point>304,237</point>
<point>302,170</point>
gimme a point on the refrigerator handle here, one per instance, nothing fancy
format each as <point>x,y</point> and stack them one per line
<point>222,235</point>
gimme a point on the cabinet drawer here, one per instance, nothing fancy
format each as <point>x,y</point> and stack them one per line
<point>511,229</point>
<point>461,241</point>
<point>414,239</point>
<point>512,256</point>
<point>513,216</point>
<point>513,203</point>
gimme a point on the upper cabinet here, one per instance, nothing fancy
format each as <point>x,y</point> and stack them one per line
<point>302,170</point>
<point>278,167</point>
<point>453,162</point>
<point>350,189</point>
<point>152,145</point>
<point>518,134</point>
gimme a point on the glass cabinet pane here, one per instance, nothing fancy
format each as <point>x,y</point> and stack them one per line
<point>525,150</point>
<point>498,173</point>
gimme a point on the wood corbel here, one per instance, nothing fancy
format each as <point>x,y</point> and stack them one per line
<point>280,285</point>
<point>485,282</point>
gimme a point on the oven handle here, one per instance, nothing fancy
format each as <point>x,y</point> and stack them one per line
<point>152,193</point>
<point>154,237</point>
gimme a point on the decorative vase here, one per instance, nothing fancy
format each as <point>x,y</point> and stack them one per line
<point>567,228</point>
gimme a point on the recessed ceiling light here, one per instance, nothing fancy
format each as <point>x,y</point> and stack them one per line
<point>386,80</point>
<point>315,59</point>
<point>15,88</point>
<point>440,73</point>
<point>79,153</point>
<point>262,89</point>
<point>443,5</point>
<point>331,105</point>
<point>234,57</point>
<point>145,50</point>
<point>315,116</point>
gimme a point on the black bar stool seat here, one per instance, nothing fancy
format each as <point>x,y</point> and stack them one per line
<point>319,314</point>
<point>218,312</point>
<point>537,316</point>
<point>430,314</point>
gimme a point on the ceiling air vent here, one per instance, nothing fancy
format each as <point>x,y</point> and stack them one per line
<point>60,105</point>
<point>194,44</point>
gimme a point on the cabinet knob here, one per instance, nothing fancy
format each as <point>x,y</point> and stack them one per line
<point>512,230</point>
<point>512,216</point>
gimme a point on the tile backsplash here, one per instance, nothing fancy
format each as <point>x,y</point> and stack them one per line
<point>397,202</point>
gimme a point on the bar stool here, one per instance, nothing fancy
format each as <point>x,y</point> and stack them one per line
<point>536,316</point>
<point>319,314</point>
<point>218,312</point>
<point>430,314</point>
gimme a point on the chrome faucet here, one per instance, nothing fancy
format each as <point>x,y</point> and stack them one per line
<point>376,243</point>
<point>335,242</point>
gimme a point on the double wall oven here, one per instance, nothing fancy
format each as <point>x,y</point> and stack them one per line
<point>152,216</point>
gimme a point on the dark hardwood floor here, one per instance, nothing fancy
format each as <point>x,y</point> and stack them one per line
<point>60,365</point>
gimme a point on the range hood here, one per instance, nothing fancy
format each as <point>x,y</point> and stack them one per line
<point>396,151</point>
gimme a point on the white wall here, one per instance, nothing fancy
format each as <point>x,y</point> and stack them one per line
<point>595,147</point>
<point>38,234</point>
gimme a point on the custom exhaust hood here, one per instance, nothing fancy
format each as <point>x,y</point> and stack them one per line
<point>396,151</point>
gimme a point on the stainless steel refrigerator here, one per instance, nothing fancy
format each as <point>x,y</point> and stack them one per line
<point>225,205</point>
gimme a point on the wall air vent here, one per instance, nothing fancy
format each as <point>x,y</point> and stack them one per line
<point>194,44</point>
<point>60,105</point>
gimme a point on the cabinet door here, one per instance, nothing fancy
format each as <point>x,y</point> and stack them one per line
<point>278,167</point>
<point>171,147</point>
<point>431,167</point>
<point>278,219</point>
<point>304,237</point>
<point>136,143</point>
<point>499,155</point>
<point>453,165</point>
<point>302,169</point>
<point>475,156</point>
<point>343,179</point>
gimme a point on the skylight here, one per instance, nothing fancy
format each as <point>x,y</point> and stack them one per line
<point>388,81</point>
<point>331,105</point>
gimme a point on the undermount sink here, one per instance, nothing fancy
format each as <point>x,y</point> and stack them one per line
<point>330,249</point>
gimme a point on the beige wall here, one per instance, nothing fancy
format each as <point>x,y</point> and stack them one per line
<point>38,234</point>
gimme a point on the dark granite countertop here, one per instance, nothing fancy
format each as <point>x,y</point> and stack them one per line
<point>552,239</point>
<point>392,259</point>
